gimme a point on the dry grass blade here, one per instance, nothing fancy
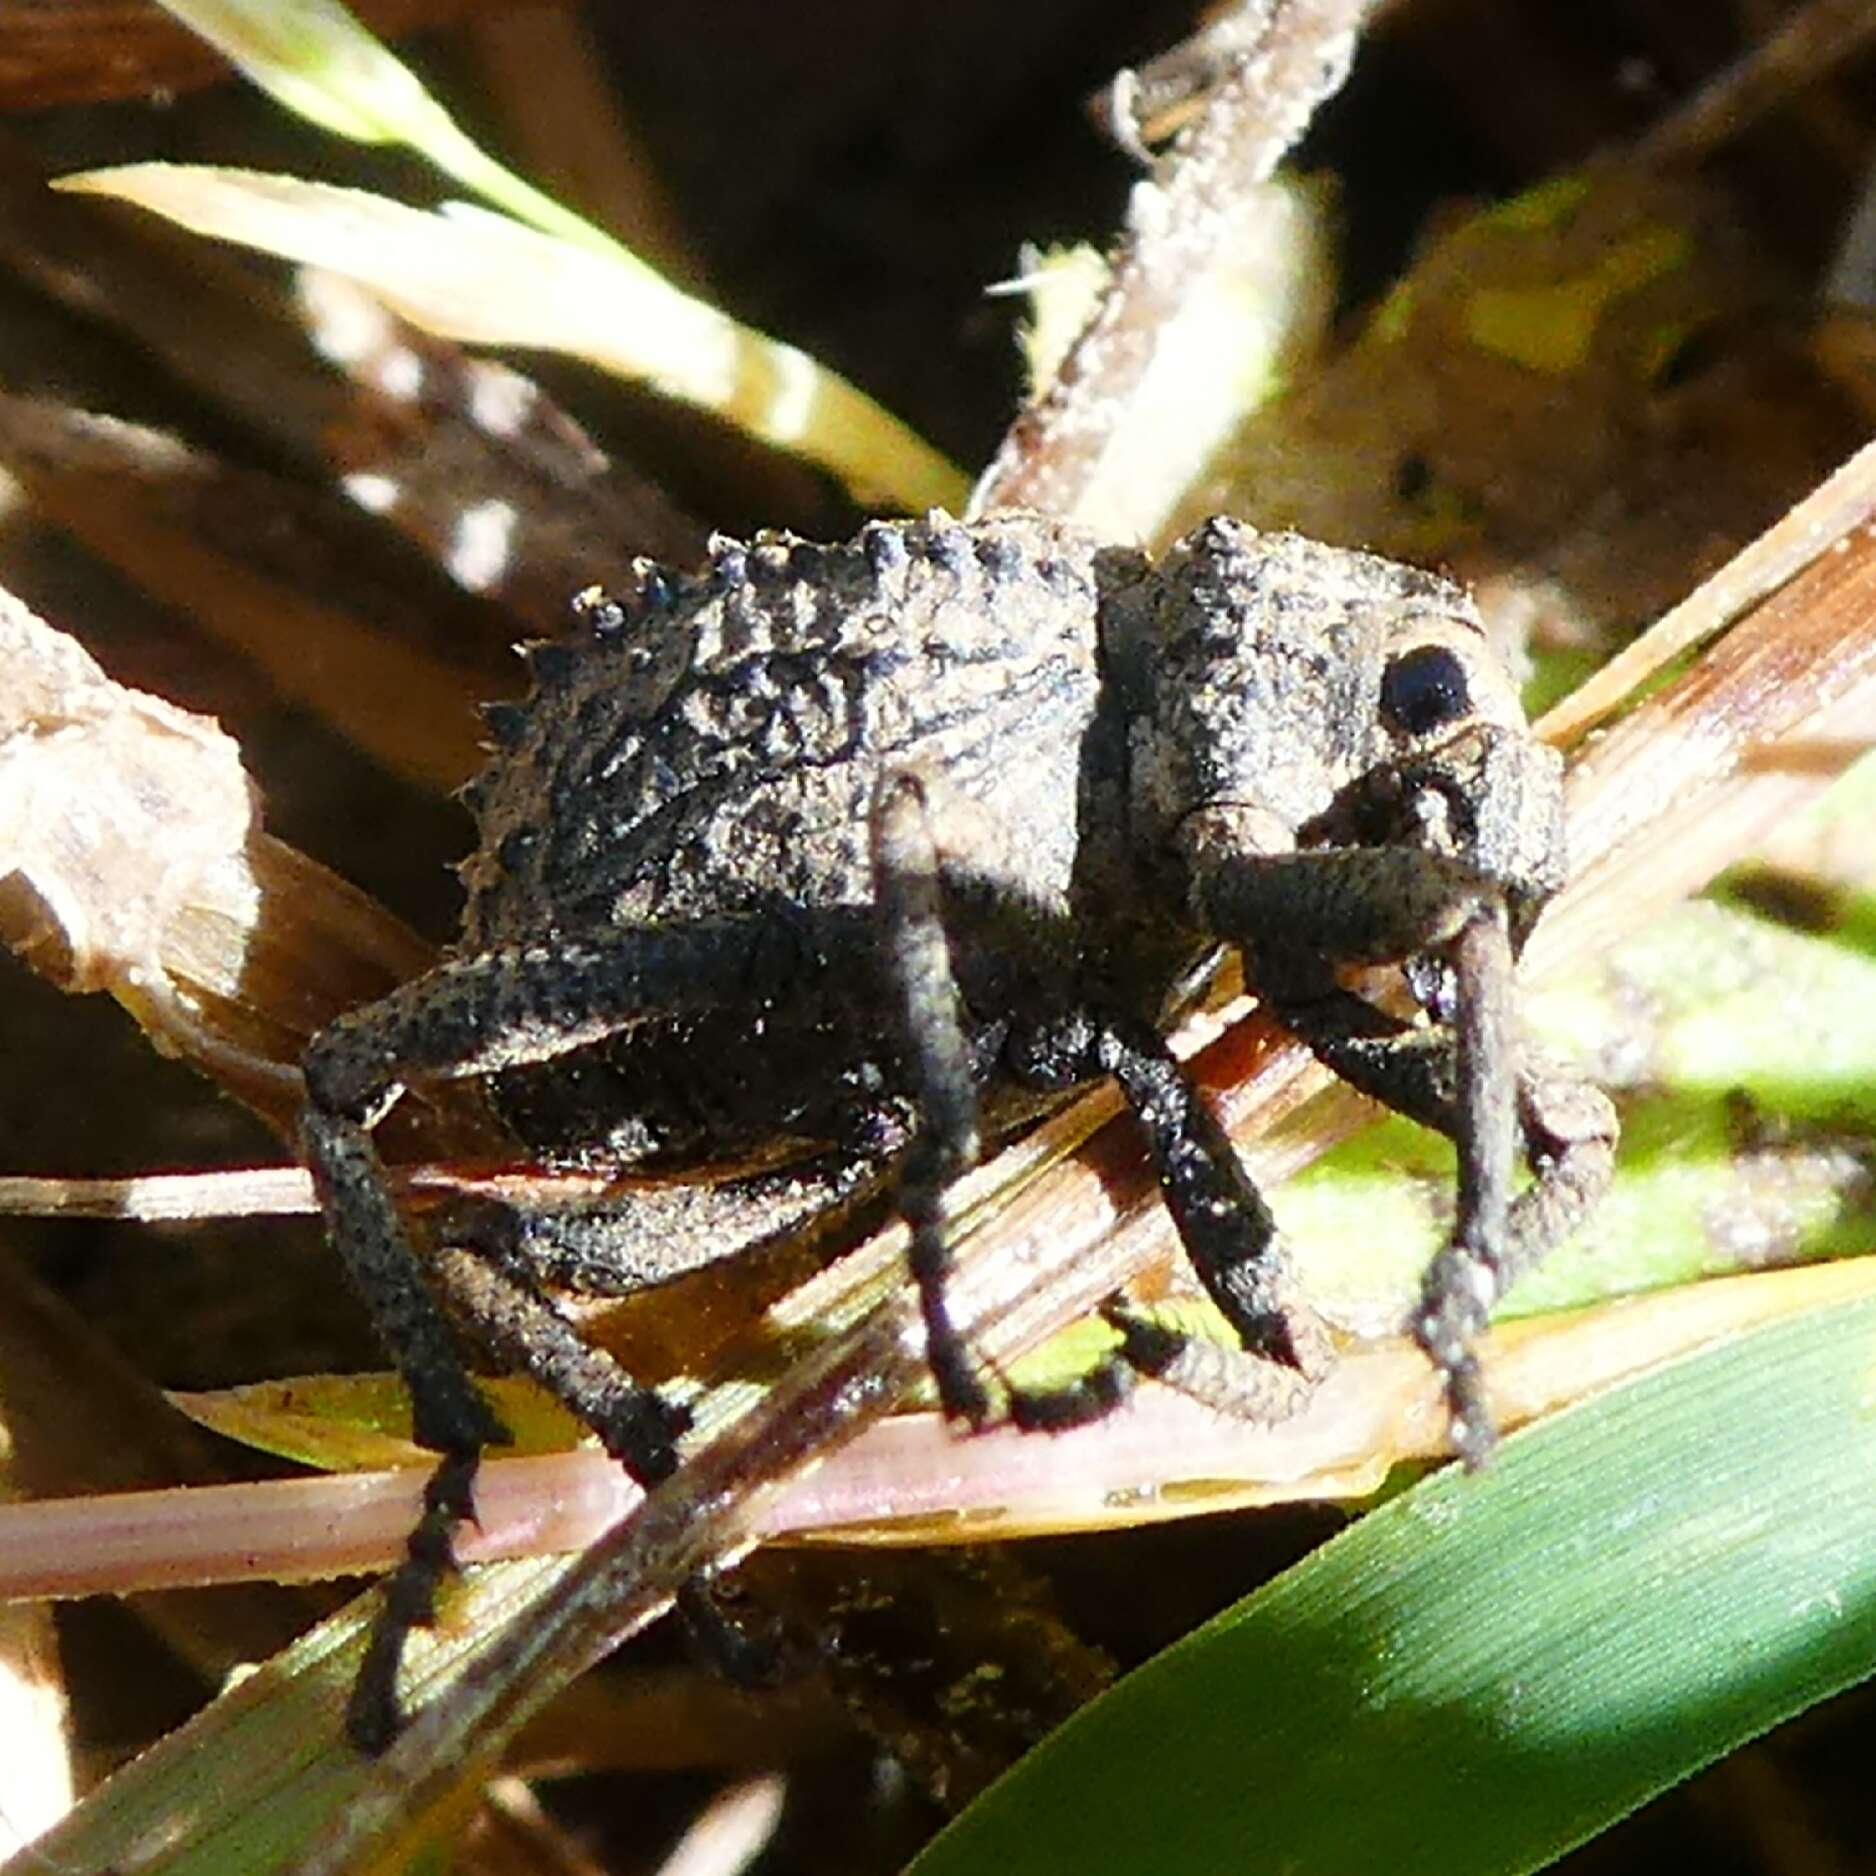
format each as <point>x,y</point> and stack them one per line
<point>244,1192</point>
<point>1815,38</point>
<point>1054,452</point>
<point>479,466</point>
<point>480,278</point>
<point>1832,509</point>
<point>909,1480</point>
<point>118,1436</point>
<point>1249,319</point>
<point>1687,783</point>
<point>425,436</point>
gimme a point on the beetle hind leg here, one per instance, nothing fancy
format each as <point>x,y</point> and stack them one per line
<point>637,1425</point>
<point>449,1415</point>
<point>470,1015</point>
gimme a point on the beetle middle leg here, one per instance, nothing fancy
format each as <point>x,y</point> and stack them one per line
<point>1227,1230</point>
<point>1226,1227</point>
<point>909,899</point>
<point>645,1228</point>
<point>524,1329</point>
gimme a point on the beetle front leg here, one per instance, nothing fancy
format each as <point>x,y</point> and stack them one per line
<point>1473,1079</point>
<point>1466,1279</point>
<point>1464,1076</point>
<point>1299,916</point>
<point>1567,1125</point>
<point>1293,912</point>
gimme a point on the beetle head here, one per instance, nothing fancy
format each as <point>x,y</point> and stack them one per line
<point>1283,693</point>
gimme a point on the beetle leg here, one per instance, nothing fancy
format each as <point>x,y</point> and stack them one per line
<point>468,1016</point>
<point>447,1413</point>
<point>644,1232</point>
<point>908,896</point>
<point>638,1426</point>
<point>1339,905</point>
<point>1226,1228</point>
<point>524,1329</point>
<point>1467,1089</point>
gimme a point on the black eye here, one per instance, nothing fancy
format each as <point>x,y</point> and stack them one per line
<point>1425,688</point>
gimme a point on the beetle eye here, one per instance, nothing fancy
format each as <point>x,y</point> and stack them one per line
<point>1425,688</point>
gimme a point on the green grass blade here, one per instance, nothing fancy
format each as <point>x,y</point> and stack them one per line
<point>317,59</point>
<point>1492,1668</point>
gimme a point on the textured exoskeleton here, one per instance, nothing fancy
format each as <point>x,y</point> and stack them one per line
<point>864,847</point>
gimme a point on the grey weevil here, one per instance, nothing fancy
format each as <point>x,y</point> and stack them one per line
<point>869,847</point>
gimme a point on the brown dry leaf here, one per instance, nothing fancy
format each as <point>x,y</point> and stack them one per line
<point>133,862</point>
<point>118,811</point>
<point>88,51</point>
<point>478,465</point>
<point>419,415</point>
<point>272,572</point>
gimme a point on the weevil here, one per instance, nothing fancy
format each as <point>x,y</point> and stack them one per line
<point>869,847</point>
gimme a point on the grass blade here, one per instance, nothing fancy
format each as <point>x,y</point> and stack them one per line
<point>1492,1668</point>
<point>316,58</point>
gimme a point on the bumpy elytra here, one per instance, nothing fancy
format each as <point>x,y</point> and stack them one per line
<point>865,848</point>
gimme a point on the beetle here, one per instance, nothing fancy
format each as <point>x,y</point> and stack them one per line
<point>870,848</point>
